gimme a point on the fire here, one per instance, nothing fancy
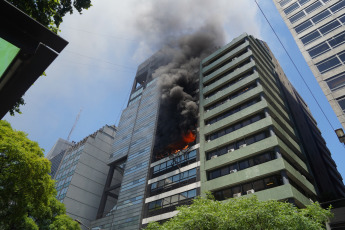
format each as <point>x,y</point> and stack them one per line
<point>178,146</point>
<point>189,137</point>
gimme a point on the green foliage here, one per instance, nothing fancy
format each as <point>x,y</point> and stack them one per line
<point>50,13</point>
<point>15,108</point>
<point>27,192</point>
<point>244,213</point>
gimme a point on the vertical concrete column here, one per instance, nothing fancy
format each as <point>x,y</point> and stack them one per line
<point>270,129</point>
<point>277,152</point>
<point>284,177</point>
<point>257,82</point>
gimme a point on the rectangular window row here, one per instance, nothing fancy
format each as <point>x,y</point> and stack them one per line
<point>325,46</point>
<point>322,31</point>
<point>341,102</point>
<point>232,111</point>
<point>240,78</point>
<point>249,188</point>
<point>171,200</point>
<point>173,162</point>
<point>234,127</point>
<point>336,82</point>
<point>209,72</point>
<point>240,165</point>
<point>331,62</point>
<point>167,182</point>
<point>225,52</point>
<point>307,10</point>
<point>226,73</point>
<point>284,2</point>
<point>295,6</point>
<point>230,97</point>
<point>320,16</point>
<point>236,145</point>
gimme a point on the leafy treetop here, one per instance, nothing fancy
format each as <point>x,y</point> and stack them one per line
<point>27,192</point>
<point>244,213</point>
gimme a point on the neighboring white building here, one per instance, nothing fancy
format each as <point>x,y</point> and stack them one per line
<point>318,29</point>
<point>82,174</point>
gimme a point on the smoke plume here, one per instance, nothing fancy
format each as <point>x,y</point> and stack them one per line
<point>184,32</point>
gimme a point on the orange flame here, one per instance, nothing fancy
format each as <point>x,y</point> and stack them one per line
<point>189,137</point>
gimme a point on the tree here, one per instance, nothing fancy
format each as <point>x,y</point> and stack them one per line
<point>49,13</point>
<point>27,192</point>
<point>244,213</point>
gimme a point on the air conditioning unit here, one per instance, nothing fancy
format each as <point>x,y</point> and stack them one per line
<point>237,194</point>
<point>208,124</point>
<point>208,140</point>
<point>250,191</point>
<point>206,98</point>
<point>244,145</point>
<point>230,150</point>
<point>233,171</point>
<point>215,156</point>
<point>207,110</point>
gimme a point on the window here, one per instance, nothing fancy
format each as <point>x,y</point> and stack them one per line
<point>302,2</point>
<point>328,64</point>
<point>249,162</point>
<point>291,8</point>
<point>310,37</point>
<point>297,16</point>
<point>257,185</point>
<point>338,6</point>
<point>329,27</point>
<point>313,7</point>
<point>236,145</point>
<point>337,40</point>
<point>336,82</point>
<point>171,200</point>
<point>305,25</point>
<point>319,49</point>
<point>341,102</point>
<point>284,2</point>
<point>321,16</point>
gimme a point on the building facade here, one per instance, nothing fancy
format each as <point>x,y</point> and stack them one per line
<point>82,174</point>
<point>318,29</point>
<point>56,154</point>
<point>247,141</point>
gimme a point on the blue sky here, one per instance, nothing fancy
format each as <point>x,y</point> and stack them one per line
<point>95,71</point>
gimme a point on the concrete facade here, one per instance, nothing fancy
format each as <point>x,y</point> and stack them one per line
<point>247,142</point>
<point>82,174</point>
<point>318,29</point>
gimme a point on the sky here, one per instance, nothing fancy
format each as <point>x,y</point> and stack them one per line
<point>94,73</point>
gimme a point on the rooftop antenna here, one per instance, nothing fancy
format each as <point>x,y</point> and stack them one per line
<point>75,123</point>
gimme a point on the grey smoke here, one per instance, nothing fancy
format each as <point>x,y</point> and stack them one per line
<point>184,32</point>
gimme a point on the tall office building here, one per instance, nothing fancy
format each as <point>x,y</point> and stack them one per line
<point>82,173</point>
<point>254,135</point>
<point>318,29</point>
<point>56,154</point>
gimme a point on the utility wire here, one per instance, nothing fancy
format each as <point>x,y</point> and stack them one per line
<point>104,35</point>
<point>102,60</point>
<point>299,73</point>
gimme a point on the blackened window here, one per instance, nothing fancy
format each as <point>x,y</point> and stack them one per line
<point>313,7</point>
<point>319,49</point>
<point>291,8</point>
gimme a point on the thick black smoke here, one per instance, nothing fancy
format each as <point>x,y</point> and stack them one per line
<point>179,82</point>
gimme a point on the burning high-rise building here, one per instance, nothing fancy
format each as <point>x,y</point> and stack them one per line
<point>226,121</point>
